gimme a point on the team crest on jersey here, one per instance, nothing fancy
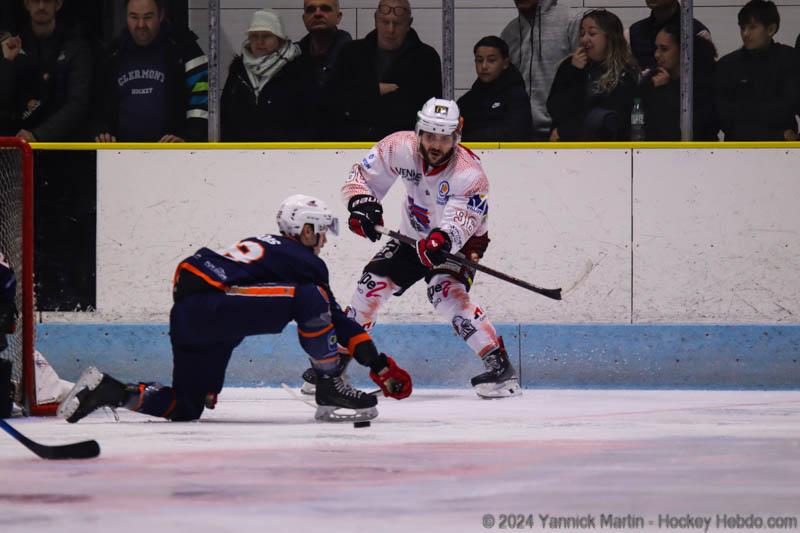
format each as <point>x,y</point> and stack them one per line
<point>479,204</point>
<point>419,217</point>
<point>444,192</point>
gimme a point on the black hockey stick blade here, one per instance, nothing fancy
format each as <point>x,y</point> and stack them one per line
<point>554,294</point>
<point>79,450</point>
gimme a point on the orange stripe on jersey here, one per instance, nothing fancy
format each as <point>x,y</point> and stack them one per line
<point>200,274</point>
<point>315,333</point>
<point>324,294</point>
<point>272,290</point>
<point>326,360</point>
<point>356,340</point>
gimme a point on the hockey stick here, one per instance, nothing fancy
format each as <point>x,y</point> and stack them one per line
<point>297,397</point>
<point>79,450</point>
<point>554,294</point>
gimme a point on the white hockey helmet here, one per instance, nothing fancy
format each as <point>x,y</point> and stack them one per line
<point>439,116</point>
<point>300,209</point>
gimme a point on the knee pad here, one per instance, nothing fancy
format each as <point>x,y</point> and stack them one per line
<point>319,344</point>
<point>315,327</point>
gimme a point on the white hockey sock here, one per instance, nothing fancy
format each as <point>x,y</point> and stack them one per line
<point>451,299</point>
<point>372,291</point>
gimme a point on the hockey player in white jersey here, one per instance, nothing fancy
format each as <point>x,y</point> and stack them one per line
<point>445,209</point>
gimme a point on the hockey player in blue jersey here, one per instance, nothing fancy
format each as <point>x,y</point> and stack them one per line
<point>8,322</point>
<point>8,311</point>
<point>257,286</point>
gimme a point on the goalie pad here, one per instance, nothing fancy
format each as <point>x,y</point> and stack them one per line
<point>49,387</point>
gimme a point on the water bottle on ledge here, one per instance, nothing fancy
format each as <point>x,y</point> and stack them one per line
<point>637,120</point>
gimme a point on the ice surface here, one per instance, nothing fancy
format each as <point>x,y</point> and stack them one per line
<point>437,461</point>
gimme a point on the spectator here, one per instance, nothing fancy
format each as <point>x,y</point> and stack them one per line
<point>592,93</point>
<point>757,86</point>
<point>382,80</point>
<point>497,107</point>
<point>261,99</point>
<point>541,36</point>
<point>661,91</point>
<point>11,104</point>
<point>153,81</point>
<point>47,76</point>
<point>320,47</point>
<point>324,40</point>
<point>642,34</point>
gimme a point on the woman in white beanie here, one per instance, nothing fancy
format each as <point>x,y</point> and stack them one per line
<point>263,86</point>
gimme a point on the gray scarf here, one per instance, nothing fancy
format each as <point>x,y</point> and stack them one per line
<point>262,69</point>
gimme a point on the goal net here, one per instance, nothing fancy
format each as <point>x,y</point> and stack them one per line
<point>16,244</point>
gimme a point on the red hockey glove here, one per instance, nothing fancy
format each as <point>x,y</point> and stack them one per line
<point>432,250</point>
<point>393,380</point>
<point>477,244</point>
<point>365,213</point>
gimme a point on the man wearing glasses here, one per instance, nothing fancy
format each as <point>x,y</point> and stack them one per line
<point>381,81</point>
<point>320,48</point>
<point>324,40</point>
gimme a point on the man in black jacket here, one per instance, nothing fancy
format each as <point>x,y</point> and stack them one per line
<point>48,70</point>
<point>153,82</point>
<point>757,86</point>
<point>497,108</point>
<point>320,49</point>
<point>382,80</point>
<point>642,33</point>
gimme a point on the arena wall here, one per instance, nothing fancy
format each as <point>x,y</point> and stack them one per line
<point>695,254</point>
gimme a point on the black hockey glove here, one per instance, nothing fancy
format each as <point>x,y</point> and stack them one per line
<point>433,249</point>
<point>365,213</point>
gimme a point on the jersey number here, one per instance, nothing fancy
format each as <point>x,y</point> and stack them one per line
<point>244,252</point>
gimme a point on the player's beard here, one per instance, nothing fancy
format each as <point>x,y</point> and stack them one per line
<point>443,159</point>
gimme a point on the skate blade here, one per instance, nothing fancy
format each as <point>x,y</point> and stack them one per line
<point>332,413</point>
<point>308,388</point>
<point>505,389</point>
<point>90,379</point>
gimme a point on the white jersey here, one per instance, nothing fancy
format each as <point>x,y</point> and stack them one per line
<point>451,197</point>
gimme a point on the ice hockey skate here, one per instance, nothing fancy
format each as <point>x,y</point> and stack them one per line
<point>309,385</point>
<point>500,379</point>
<point>92,391</point>
<point>338,401</point>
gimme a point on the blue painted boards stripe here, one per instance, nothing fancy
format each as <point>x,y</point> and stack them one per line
<point>548,355</point>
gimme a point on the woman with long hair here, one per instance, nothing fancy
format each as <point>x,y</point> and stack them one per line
<point>661,89</point>
<point>592,94</point>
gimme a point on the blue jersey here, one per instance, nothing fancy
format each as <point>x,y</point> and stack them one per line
<point>264,260</point>
<point>8,293</point>
<point>8,283</point>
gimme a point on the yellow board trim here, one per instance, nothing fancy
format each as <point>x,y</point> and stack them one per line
<point>367,145</point>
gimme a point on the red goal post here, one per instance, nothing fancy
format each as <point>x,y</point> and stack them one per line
<point>16,243</point>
